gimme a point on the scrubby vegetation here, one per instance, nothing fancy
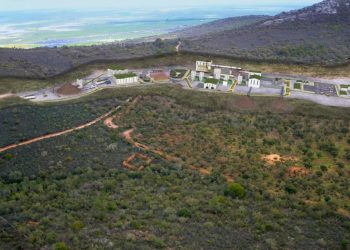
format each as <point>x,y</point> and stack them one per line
<point>72,191</point>
<point>22,123</point>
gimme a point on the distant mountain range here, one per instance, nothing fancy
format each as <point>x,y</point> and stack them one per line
<point>316,34</point>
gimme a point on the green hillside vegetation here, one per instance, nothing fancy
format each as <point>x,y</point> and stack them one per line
<point>71,192</point>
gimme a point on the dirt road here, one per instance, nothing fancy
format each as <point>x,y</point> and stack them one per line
<point>44,137</point>
<point>3,96</point>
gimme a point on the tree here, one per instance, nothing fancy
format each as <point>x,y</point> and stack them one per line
<point>235,190</point>
<point>61,246</point>
<point>183,212</point>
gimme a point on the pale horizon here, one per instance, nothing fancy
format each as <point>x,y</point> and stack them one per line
<point>154,5</point>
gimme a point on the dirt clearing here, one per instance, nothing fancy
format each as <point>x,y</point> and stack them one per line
<point>272,159</point>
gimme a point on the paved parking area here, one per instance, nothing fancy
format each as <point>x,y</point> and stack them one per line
<point>309,88</point>
<point>322,99</point>
<point>325,89</point>
<point>267,91</point>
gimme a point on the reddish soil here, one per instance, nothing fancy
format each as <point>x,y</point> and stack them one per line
<point>281,105</point>
<point>128,163</point>
<point>344,212</point>
<point>160,76</point>
<point>297,172</point>
<point>68,89</point>
<point>128,137</point>
<point>109,123</point>
<point>272,159</point>
<point>245,102</point>
<point>33,223</point>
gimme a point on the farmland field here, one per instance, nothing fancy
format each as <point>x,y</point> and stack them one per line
<point>225,172</point>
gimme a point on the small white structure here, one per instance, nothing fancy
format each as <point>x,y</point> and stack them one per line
<point>79,83</point>
<point>223,73</point>
<point>239,79</point>
<point>344,87</point>
<point>254,80</point>
<point>201,76</point>
<point>30,97</point>
<point>217,73</point>
<point>210,86</point>
<point>203,66</point>
<point>193,75</point>
<point>254,83</point>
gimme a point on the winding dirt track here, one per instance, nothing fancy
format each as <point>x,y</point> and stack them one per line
<point>44,137</point>
<point>3,96</point>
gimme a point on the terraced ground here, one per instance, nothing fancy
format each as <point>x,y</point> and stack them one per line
<point>177,169</point>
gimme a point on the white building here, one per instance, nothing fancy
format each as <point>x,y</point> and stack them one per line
<point>254,80</point>
<point>125,78</point>
<point>195,74</point>
<point>79,83</point>
<point>239,79</point>
<point>203,66</point>
<point>217,73</point>
<point>254,83</point>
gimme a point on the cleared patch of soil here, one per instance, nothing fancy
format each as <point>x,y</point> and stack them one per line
<point>68,89</point>
<point>272,159</point>
<point>160,76</point>
<point>343,212</point>
<point>281,105</point>
<point>245,102</point>
<point>109,123</point>
<point>297,171</point>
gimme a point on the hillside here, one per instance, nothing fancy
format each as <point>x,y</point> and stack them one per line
<point>220,25</point>
<point>48,62</point>
<point>176,169</point>
<point>316,34</point>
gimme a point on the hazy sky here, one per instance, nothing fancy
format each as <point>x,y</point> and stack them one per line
<point>140,4</point>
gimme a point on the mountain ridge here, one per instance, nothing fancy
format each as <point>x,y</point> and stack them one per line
<point>324,8</point>
<point>316,34</point>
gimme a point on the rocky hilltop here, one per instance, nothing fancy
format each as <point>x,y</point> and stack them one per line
<point>315,34</point>
<point>338,8</point>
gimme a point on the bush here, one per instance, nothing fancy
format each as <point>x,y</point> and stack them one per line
<point>15,177</point>
<point>77,225</point>
<point>60,246</point>
<point>184,213</point>
<point>8,156</point>
<point>235,190</point>
<point>291,189</point>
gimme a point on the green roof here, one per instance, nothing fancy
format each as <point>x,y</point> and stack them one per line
<point>126,75</point>
<point>211,80</point>
<point>255,77</point>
